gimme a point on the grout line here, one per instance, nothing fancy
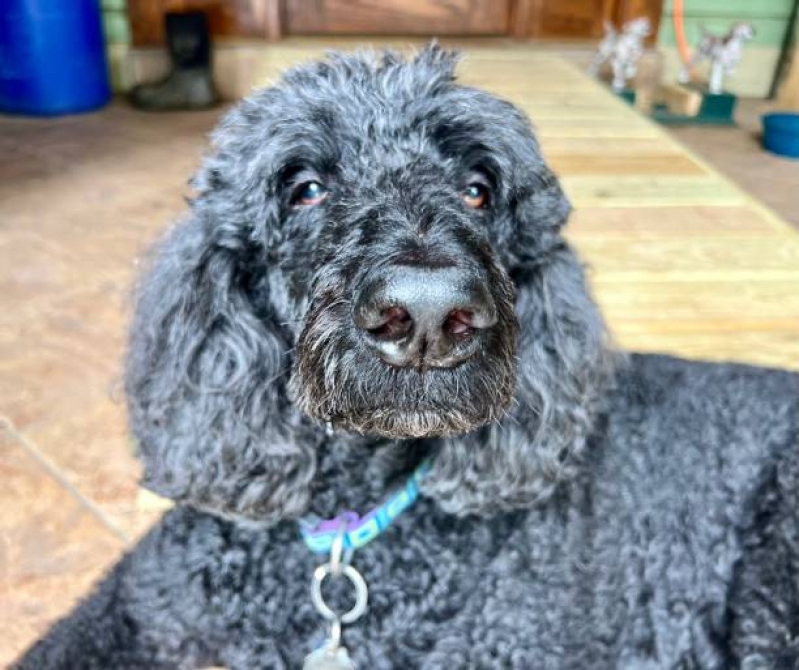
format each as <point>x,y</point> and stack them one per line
<point>51,469</point>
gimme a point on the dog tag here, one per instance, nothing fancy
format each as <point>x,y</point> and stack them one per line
<point>328,658</point>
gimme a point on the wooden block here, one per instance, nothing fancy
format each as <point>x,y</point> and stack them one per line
<point>681,99</point>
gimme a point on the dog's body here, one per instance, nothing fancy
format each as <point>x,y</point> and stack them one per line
<point>633,513</point>
<point>675,547</point>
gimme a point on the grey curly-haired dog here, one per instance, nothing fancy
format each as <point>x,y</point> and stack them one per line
<point>373,276</point>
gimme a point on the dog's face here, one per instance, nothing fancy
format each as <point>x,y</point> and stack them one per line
<point>390,257</point>
<point>406,321</point>
<point>379,248</point>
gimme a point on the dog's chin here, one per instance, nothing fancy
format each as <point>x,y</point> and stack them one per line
<point>412,417</point>
<point>414,424</point>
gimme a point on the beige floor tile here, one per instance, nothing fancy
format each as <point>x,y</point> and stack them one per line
<point>53,548</point>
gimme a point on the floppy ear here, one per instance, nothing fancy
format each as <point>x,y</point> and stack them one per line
<point>206,376</point>
<point>537,206</point>
<point>564,360</point>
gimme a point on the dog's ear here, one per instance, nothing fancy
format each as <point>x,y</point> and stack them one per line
<point>207,368</point>
<point>538,207</point>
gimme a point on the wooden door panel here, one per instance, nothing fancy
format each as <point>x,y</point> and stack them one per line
<point>573,18</point>
<point>557,19</point>
<point>397,17</point>
<point>561,19</point>
<point>239,18</point>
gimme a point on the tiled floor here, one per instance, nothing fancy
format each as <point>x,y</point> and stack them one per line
<point>81,198</point>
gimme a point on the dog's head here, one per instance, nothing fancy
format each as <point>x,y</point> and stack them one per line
<point>376,248</point>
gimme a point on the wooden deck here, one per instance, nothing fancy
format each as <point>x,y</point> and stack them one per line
<point>680,260</point>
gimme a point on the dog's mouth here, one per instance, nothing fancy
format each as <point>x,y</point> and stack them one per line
<point>437,404</point>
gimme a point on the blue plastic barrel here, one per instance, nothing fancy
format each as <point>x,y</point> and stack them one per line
<point>52,57</point>
<point>781,133</point>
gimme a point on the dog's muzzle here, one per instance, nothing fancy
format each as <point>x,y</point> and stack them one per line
<point>421,317</point>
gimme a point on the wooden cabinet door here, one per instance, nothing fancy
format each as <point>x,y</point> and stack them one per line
<point>579,19</point>
<point>396,17</point>
<point>562,19</point>
<point>270,19</point>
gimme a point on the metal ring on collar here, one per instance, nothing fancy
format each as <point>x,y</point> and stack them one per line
<point>357,581</point>
<point>337,549</point>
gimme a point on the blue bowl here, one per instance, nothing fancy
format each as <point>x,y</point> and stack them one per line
<point>781,133</point>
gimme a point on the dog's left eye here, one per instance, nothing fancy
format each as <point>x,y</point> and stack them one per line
<point>475,195</point>
<point>309,193</point>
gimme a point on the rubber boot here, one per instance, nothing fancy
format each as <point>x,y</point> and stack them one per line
<point>189,85</point>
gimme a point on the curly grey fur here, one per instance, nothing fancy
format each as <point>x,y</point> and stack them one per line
<point>583,511</point>
<point>230,307</point>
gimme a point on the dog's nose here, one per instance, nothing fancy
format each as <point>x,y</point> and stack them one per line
<point>422,317</point>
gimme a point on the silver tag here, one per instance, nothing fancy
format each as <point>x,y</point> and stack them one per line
<point>328,658</point>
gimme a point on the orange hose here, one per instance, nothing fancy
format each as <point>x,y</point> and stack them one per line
<point>679,32</point>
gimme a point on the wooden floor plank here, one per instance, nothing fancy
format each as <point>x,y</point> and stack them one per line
<point>698,301</point>
<point>591,163</point>
<point>736,258</point>
<point>685,223</point>
<point>618,133</point>
<point>650,190</point>
<point>602,146</point>
<point>770,348</point>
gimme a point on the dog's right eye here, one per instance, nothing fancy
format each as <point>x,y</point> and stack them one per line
<point>309,193</point>
<point>475,195</point>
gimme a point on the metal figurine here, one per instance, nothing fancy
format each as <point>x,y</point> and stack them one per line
<point>724,53</point>
<point>623,49</point>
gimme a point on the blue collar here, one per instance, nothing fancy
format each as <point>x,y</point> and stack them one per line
<point>319,534</point>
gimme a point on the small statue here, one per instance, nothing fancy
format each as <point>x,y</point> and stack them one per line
<point>624,49</point>
<point>724,53</point>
